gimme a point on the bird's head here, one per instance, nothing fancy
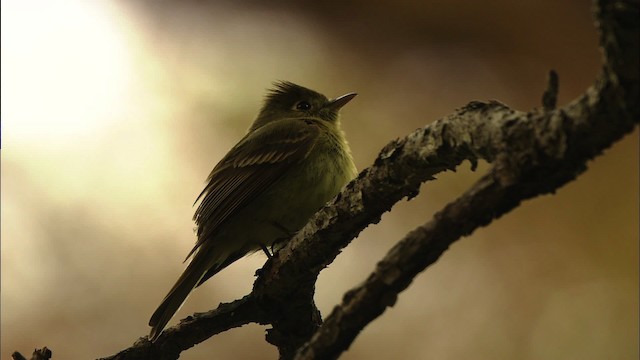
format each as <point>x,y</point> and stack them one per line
<point>288,100</point>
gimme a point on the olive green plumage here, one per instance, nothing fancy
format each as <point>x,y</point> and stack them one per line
<point>293,160</point>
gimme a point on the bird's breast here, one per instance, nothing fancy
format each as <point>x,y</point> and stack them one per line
<point>288,204</point>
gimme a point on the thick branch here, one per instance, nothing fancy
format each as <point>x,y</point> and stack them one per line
<point>492,196</point>
<point>419,249</point>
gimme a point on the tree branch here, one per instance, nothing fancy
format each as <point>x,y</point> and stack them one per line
<point>532,153</point>
<point>419,249</point>
<point>195,329</point>
<point>580,140</point>
<point>38,354</point>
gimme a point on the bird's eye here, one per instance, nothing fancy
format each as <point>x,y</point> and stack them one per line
<point>303,106</point>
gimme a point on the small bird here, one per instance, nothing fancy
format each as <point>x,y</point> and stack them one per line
<point>293,160</point>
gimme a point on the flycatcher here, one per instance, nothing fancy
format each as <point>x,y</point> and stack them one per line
<point>292,161</point>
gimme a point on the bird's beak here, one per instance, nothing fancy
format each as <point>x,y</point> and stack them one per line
<point>337,103</point>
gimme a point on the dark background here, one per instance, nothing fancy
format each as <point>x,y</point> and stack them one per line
<point>114,113</point>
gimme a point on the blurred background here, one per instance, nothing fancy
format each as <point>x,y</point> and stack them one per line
<point>113,114</point>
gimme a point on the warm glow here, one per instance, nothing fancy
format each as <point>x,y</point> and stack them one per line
<point>64,69</point>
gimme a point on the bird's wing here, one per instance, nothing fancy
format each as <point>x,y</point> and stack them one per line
<point>255,163</point>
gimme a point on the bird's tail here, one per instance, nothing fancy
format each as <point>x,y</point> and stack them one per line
<point>174,299</point>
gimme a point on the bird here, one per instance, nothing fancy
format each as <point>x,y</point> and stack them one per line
<point>293,159</point>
